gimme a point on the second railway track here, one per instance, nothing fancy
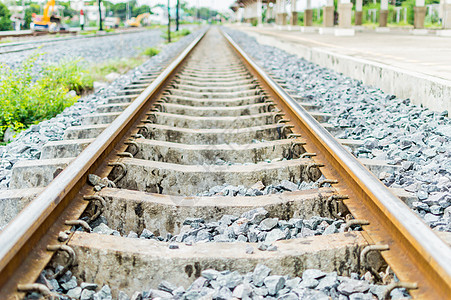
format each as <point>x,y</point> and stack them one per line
<point>152,157</point>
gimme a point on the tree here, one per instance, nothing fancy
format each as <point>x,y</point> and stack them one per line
<point>33,8</point>
<point>137,10</point>
<point>5,15</point>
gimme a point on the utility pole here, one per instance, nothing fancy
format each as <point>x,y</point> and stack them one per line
<point>100,15</point>
<point>169,24</point>
<point>177,16</point>
<point>127,10</point>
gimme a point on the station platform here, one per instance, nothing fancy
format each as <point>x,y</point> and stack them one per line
<point>410,66</point>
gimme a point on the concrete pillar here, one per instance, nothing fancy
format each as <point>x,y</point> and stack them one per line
<point>259,12</point>
<point>446,13</point>
<point>308,14</point>
<point>345,14</point>
<point>294,13</point>
<point>328,14</point>
<point>276,11</point>
<point>282,13</point>
<point>383,13</point>
<point>358,12</point>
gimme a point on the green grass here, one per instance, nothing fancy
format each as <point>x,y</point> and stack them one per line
<point>175,35</point>
<point>25,101</point>
<point>151,51</point>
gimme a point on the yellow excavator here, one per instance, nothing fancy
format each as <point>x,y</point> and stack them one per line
<point>136,22</point>
<point>48,21</point>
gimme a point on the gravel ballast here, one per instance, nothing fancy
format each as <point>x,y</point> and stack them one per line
<point>95,49</point>
<point>261,283</point>
<point>253,226</point>
<point>392,129</point>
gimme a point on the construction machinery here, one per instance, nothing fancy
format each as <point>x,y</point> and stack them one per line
<point>136,22</point>
<point>49,21</point>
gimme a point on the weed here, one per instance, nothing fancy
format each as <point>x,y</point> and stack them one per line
<point>151,51</point>
<point>25,100</point>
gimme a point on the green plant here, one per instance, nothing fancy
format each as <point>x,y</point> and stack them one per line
<point>151,51</point>
<point>25,100</point>
<point>5,22</point>
<point>175,35</point>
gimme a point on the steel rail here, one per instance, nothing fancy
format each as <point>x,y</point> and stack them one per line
<point>416,253</point>
<point>21,242</point>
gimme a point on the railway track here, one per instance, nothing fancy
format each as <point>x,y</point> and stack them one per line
<point>149,160</point>
<point>20,46</point>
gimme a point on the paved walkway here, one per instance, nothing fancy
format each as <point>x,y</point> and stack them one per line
<point>429,55</point>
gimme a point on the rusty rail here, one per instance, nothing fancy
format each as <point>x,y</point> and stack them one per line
<point>23,242</point>
<point>415,253</point>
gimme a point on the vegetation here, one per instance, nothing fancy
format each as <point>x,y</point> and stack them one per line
<point>151,51</point>
<point>25,101</point>
<point>175,35</point>
<point>5,22</point>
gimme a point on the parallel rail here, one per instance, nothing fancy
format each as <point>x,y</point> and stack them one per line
<point>415,253</point>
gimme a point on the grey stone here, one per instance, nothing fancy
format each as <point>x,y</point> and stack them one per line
<point>230,280</point>
<point>274,283</point>
<point>274,235</point>
<point>430,218</point>
<point>255,216</point>
<point>272,248</point>
<point>74,293</point>
<point>87,294</point>
<point>132,235</point>
<point>313,273</point>
<point>173,246</point>
<point>350,286</point>
<point>242,291</point>
<point>422,195</point>
<point>289,296</point>
<point>260,291</point>
<point>54,283</point>
<point>104,293</point>
<point>249,249</point>
<point>360,296</point>
<point>259,274</point>
<point>263,246</point>
<point>72,283</point>
<point>122,296</point>
<point>288,185</point>
<point>240,226</point>
<point>227,219</point>
<point>103,229</point>
<point>268,224</point>
<point>331,229</point>
<point>292,283</point>
<point>146,234</point>
<point>210,274</point>
<point>88,286</point>
<point>198,284</point>
<point>328,282</point>
<point>309,283</point>
<point>159,294</point>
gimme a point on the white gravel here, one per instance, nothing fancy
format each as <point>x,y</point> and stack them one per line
<point>392,129</point>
